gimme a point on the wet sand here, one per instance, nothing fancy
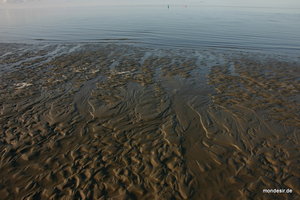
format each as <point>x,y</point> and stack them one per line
<point>83,121</point>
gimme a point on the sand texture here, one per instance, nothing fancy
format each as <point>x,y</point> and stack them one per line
<point>83,121</point>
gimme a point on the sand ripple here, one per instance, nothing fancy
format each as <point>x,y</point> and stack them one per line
<point>121,122</point>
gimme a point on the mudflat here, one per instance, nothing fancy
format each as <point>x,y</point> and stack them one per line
<point>106,121</point>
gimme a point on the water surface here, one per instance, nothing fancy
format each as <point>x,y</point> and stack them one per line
<point>184,24</point>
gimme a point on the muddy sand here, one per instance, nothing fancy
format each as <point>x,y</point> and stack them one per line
<point>83,121</point>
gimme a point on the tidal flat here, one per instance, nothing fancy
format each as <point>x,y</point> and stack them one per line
<point>108,121</point>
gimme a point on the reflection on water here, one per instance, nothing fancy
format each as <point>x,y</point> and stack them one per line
<point>175,24</point>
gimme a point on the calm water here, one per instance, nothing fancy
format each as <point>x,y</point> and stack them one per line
<point>181,24</point>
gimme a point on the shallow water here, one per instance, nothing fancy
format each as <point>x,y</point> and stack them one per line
<point>184,24</point>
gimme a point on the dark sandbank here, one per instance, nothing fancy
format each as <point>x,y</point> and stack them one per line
<point>120,122</point>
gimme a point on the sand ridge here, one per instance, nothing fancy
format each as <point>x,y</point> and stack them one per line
<point>122,122</point>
